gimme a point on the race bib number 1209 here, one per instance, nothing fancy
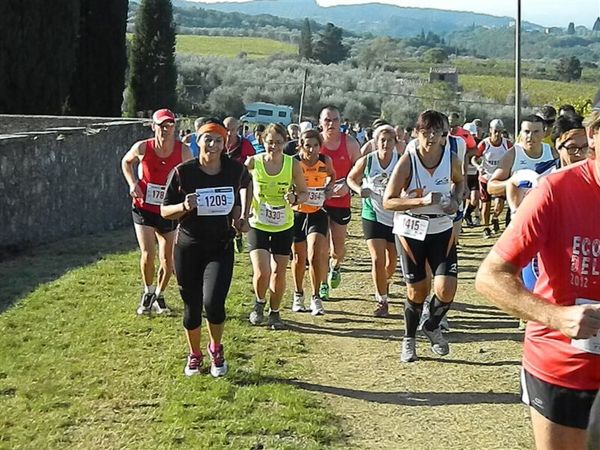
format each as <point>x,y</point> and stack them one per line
<point>217,201</point>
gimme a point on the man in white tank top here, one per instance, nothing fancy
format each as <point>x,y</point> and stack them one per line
<point>507,179</point>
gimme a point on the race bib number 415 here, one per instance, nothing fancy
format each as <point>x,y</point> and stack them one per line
<point>411,227</point>
<point>591,345</point>
<point>217,201</point>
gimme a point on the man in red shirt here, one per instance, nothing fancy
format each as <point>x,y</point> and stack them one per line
<point>237,147</point>
<point>558,221</point>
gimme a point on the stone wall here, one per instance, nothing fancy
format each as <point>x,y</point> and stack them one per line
<point>63,183</point>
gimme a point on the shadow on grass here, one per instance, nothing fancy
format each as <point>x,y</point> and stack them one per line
<point>415,398</point>
<point>23,273</point>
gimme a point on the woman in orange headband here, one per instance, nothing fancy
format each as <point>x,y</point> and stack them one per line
<point>203,195</point>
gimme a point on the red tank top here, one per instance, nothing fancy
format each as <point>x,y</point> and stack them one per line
<point>342,165</point>
<point>155,171</point>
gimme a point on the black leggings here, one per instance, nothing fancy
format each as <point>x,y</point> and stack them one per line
<point>204,277</point>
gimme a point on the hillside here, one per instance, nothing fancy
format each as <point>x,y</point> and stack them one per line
<point>377,19</point>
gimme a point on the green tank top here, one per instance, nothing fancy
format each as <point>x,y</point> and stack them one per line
<point>270,211</point>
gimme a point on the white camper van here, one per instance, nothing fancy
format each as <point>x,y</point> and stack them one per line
<point>261,112</point>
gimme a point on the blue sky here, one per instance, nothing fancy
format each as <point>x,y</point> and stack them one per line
<point>543,12</point>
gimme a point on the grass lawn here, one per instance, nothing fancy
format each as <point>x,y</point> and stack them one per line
<point>231,47</point>
<point>78,369</point>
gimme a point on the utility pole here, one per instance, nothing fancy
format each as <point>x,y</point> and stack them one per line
<point>518,69</point>
<point>300,113</point>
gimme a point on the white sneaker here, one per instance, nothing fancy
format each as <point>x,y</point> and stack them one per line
<point>439,345</point>
<point>218,365</point>
<point>298,303</point>
<point>316,306</point>
<point>193,366</point>
<point>409,350</point>
<point>146,303</point>
<point>160,306</point>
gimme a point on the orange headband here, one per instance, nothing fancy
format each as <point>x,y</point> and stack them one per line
<point>569,135</point>
<point>213,128</point>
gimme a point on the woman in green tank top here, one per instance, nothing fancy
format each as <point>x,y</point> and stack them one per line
<point>277,184</point>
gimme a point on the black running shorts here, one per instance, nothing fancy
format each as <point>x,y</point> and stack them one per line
<point>275,242</point>
<point>341,216</point>
<point>308,223</point>
<point>376,230</point>
<point>150,219</point>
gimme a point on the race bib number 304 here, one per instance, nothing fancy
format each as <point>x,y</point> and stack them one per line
<point>217,201</point>
<point>591,345</point>
<point>271,215</point>
<point>411,227</point>
<point>155,194</point>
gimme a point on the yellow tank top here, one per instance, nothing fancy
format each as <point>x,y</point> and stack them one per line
<point>316,180</point>
<point>270,210</point>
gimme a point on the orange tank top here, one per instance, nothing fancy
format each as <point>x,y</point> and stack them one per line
<point>316,180</point>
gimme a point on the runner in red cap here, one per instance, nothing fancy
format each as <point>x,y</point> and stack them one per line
<point>157,157</point>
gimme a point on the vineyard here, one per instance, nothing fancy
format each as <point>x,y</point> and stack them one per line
<point>231,47</point>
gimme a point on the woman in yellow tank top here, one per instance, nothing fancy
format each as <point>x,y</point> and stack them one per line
<point>277,184</point>
<point>310,221</point>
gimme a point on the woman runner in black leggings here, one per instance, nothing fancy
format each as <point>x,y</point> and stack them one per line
<point>203,194</point>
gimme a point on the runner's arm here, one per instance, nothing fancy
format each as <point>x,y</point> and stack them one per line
<point>300,189</point>
<point>498,180</point>
<point>397,183</point>
<point>330,175</point>
<point>576,321</point>
<point>353,148</point>
<point>133,156</point>
<point>176,204</point>
<point>355,176</point>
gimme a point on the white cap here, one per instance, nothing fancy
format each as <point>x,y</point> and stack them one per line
<point>470,127</point>
<point>496,124</point>
<point>305,126</point>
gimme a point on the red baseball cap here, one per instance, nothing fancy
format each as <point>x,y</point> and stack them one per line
<point>162,115</point>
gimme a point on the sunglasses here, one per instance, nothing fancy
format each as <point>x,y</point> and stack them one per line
<point>166,125</point>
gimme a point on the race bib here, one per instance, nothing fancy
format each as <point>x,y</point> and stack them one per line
<point>411,227</point>
<point>591,345</point>
<point>217,201</point>
<point>271,215</point>
<point>155,194</point>
<point>316,197</point>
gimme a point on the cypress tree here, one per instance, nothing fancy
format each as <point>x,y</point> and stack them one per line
<point>305,45</point>
<point>571,28</point>
<point>329,48</point>
<point>37,54</point>
<point>99,78</point>
<point>596,24</point>
<point>152,71</point>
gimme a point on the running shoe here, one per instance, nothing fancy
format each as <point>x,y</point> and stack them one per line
<point>258,313</point>
<point>487,233</point>
<point>382,310</point>
<point>239,244</point>
<point>409,350</point>
<point>218,365</point>
<point>334,277</point>
<point>194,365</point>
<point>160,306</point>
<point>496,225</point>
<point>439,345</point>
<point>298,303</point>
<point>469,222</point>
<point>324,291</point>
<point>275,322</point>
<point>316,306</point>
<point>146,303</point>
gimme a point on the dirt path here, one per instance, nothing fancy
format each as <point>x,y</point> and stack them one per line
<point>467,400</point>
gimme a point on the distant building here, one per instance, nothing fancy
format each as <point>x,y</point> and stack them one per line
<point>553,30</point>
<point>444,74</point>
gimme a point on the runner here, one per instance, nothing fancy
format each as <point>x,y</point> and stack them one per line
<point>191,139</point>
<point>426,188</point>
<point>311,222</point>
<point>203,195</point>
<point>278,183</point>
<point>156,157</point>
<point>489,153</point>
<point>343,151</point>
<point>548,115</point>
<point>561,352</point>
<point>237,147</point>
<point>369,178</point>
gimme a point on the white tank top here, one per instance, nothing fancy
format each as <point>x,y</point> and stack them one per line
<point>376,178</point>
<point>491,157</point>
<point>438,181</point>
<point>522,161</point>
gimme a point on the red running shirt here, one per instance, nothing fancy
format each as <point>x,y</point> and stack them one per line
<point>559,219</point>
<point>341,165</point>
<point>155,171</point>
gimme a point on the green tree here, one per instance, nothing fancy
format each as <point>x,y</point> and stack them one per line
<point>37,55</point>
<point>435,55</point>
<point>152,71</point>
<point>99,78</point>
<point>329,48</point>
<point>571,28</point>
<point>596,24</point>
<point>379,50</point>
<point>305,49</point>
<point>439,96</point>
<point>569,69</point>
